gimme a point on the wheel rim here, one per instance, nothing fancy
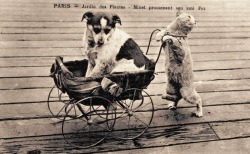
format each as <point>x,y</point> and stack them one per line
<point>134,115</point>
<point>86,131</point>
<point>57,102</point>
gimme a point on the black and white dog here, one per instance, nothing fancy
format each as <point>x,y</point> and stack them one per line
<point>108,48</point>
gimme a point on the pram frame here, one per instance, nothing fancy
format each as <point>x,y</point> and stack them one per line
<point>111,103</point>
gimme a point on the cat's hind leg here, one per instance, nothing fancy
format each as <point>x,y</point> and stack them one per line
<point>172,95</point>
<point>190,95</point>
<point>172,101</point>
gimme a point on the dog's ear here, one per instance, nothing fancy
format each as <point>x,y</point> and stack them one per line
<point>116,19</point>
<point>87,16</point>
<point>179,12</point>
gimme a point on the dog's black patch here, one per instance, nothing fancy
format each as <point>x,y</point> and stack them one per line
<point>95,18</point>
<point>131,50</point>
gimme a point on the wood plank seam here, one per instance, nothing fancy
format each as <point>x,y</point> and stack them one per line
<point>213,131</point>
<point>168,145</point>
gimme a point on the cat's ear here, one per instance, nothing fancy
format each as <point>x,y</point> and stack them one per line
<point>179,12</point>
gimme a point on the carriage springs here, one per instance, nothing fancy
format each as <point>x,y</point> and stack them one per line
<point>134,7</point>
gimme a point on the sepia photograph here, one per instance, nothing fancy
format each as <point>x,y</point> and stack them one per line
<point>125,77</point>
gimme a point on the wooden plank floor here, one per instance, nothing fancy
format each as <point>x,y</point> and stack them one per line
<point>33,33</point>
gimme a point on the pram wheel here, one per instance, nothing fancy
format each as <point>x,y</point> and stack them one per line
<point>134,113</point>
<point>88,122</point>
<point>57,102</point>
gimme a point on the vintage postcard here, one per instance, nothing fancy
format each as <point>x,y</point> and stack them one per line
<point>122,76</point>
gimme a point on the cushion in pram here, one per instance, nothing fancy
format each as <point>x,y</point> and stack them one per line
<point>70,77</point>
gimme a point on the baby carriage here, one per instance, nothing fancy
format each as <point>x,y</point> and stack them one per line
<point>89,113</point>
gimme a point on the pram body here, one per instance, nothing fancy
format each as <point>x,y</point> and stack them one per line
<point>86,99</point>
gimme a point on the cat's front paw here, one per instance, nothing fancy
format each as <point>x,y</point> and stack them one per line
<point>167,38</point>
<point>159,35</point>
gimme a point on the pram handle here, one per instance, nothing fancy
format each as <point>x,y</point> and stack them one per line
<point>150,43</point>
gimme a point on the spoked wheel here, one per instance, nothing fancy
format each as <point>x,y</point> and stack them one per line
<point>87,125</point>
<point>58,102</point>
<point>134,114</point>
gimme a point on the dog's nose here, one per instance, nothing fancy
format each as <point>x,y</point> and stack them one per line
<point>100,42</point>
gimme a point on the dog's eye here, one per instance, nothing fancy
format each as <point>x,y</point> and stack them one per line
<point>97,30</point>
<point>106,31</point>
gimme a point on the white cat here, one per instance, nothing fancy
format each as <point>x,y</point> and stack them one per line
<point>179,63</point>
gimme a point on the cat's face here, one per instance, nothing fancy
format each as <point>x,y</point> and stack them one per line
<point>186,20</point>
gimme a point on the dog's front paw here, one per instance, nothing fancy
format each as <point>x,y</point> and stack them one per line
<point>115,90</point>
<point>197,114</point>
